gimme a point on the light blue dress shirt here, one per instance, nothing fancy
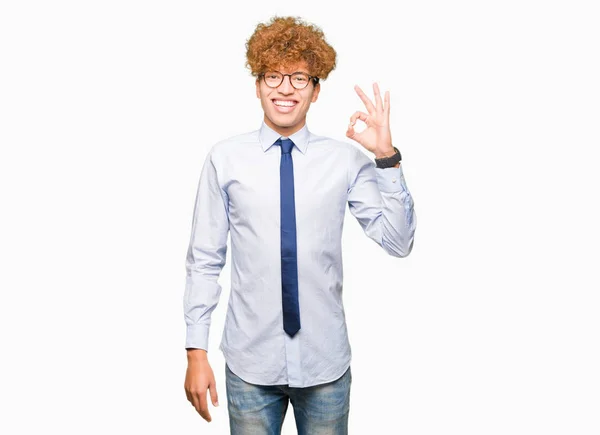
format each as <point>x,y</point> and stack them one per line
<point>238,192</point>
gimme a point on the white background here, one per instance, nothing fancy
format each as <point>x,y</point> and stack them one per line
<point>107,110</point>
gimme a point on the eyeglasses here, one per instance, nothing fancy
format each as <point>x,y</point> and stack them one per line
<point>299,80</point>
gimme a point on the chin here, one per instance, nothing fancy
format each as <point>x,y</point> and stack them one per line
<point>283,121</point>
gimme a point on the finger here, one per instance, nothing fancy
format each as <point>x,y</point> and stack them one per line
<point>350,131</point>
<point>202,407</point>
<point>195,399</point>
<point>386,108</point>
<point>365,99</point>
<point>378,102</point>
<point>213,393</point>
<point>358,115</point>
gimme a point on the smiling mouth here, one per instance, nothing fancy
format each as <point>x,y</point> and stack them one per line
<point>284,106</point>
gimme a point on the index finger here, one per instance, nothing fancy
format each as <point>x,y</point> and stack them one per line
<point>365,99</point>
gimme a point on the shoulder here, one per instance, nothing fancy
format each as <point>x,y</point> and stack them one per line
<point>232,144</point>
<point>356,155</point>
<point>352,151</point>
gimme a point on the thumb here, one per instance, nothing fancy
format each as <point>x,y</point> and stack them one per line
<point>213,393</point>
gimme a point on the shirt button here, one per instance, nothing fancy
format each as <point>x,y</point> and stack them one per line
<point>394,180</point>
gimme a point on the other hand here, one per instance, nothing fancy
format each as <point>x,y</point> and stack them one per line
<point>377,137</point>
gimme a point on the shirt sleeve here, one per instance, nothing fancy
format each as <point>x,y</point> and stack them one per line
<point>381,202</point>
<point>205,256</point>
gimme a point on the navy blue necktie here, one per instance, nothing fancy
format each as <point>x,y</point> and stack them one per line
<point>289,257</point>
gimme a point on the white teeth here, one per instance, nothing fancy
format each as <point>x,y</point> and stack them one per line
<point>284,103</point>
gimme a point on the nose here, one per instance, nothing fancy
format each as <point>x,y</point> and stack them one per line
<point>286,86</point>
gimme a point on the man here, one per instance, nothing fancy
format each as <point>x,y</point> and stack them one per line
<point>281,192</point>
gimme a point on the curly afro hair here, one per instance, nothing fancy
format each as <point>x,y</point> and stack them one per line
<point>285,41</point>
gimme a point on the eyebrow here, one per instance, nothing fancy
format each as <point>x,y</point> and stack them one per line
<point>304,72</point>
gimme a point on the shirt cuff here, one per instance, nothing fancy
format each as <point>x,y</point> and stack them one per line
<point>197,337</point>
<point>390,179</point>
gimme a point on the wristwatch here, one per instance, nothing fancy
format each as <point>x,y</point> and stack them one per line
<point>389,162</point>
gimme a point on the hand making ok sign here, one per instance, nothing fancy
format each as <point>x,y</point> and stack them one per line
<point>377,137</point>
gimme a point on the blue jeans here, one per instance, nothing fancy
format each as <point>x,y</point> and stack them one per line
<point>260,409</point>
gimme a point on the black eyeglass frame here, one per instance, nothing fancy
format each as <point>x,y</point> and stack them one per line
<point>315,79</point>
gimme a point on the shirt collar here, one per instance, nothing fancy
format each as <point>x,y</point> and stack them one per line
<point>267,137</point>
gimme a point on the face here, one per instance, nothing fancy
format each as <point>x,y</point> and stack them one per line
<point>287,119</point>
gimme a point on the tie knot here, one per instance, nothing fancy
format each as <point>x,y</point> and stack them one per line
<point>286,145</point>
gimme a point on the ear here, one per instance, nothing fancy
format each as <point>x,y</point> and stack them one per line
<point>257,88</point>
<point>316,91</point>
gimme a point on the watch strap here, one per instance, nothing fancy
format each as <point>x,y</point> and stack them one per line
<point>389,162</point>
